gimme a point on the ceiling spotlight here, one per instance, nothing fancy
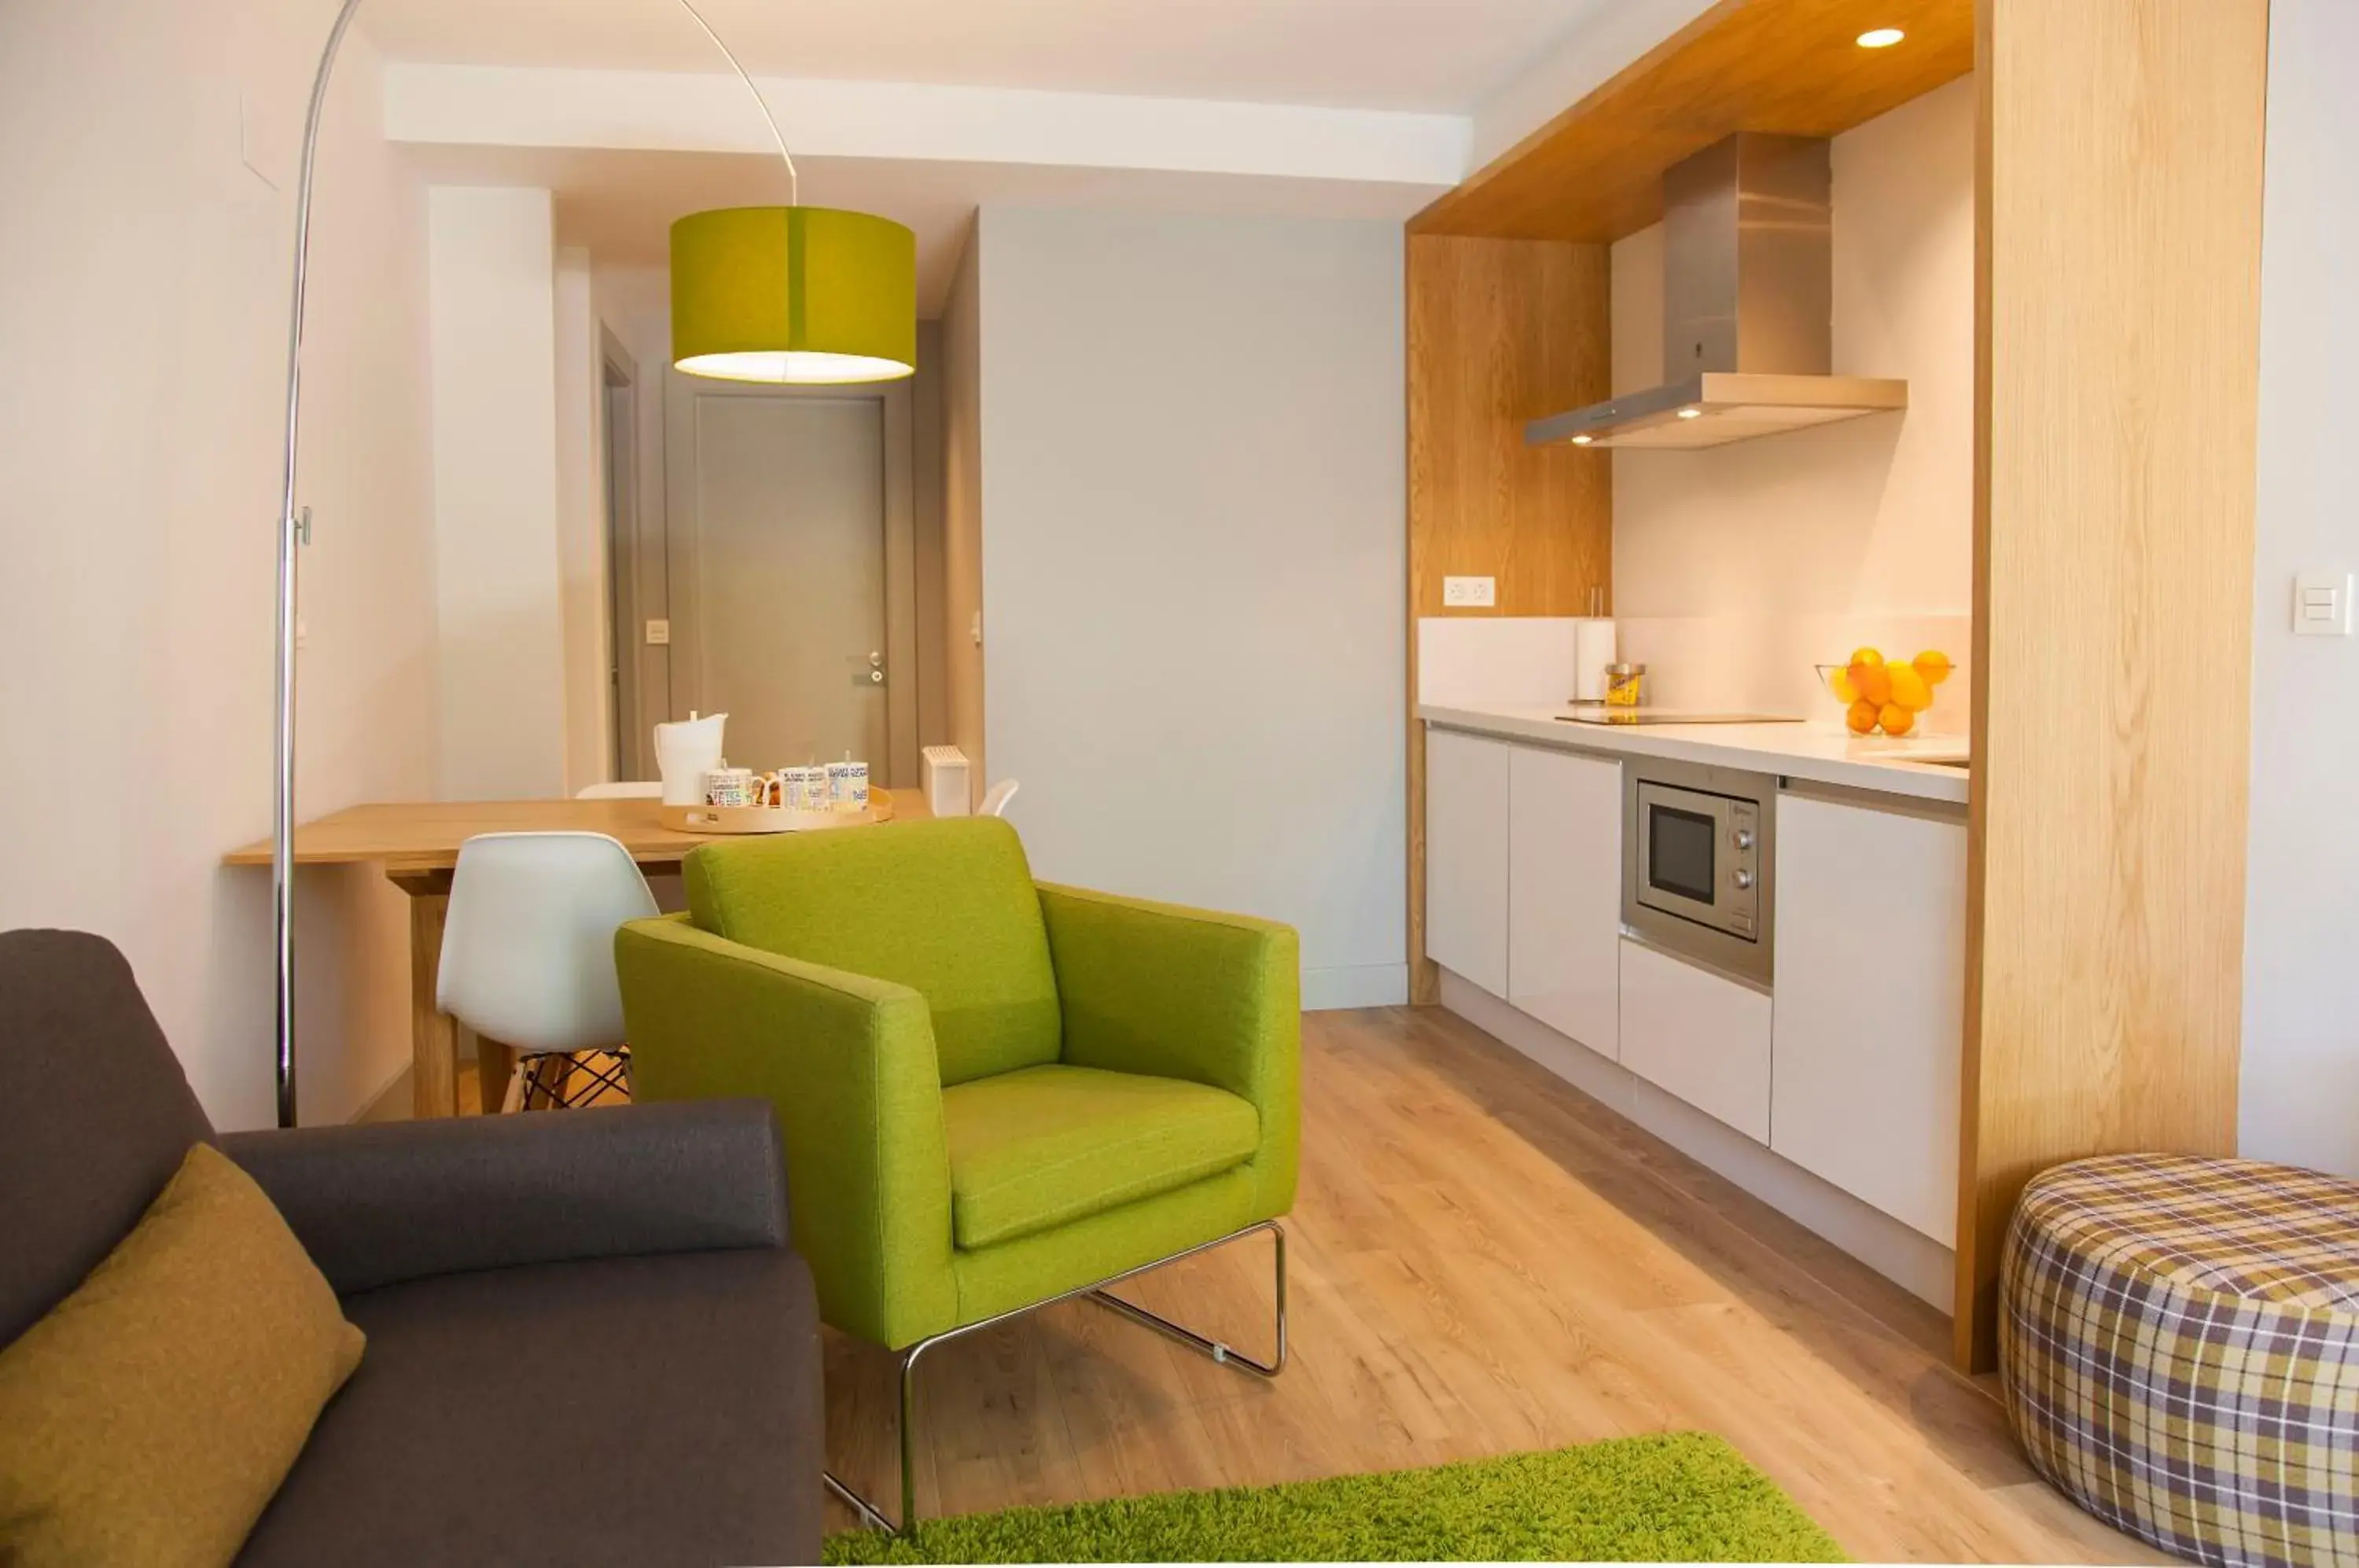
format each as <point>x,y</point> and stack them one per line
<point>1583,440</point>
<point>1690,413</point>
<point>1881,38</point>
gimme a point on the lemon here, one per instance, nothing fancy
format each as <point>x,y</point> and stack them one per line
<point>1866,656</point>
<point>1934,665</point>
<point>1873,683</point>
<point>1839,682</point>
<point>1910,688</point>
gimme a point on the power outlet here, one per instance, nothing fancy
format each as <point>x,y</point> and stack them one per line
<point>1470,593</point>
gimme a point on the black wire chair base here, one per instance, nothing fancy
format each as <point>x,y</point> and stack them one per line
<point>559,1082</point>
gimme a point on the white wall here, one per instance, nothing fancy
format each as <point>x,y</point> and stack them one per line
<point>582,525</point>
<point>1737,567</point>
<point>143,299</point>
<point>1193,557</point>
<point>2300,1089</point>
<point>962,510</point>
<point>502,656</point>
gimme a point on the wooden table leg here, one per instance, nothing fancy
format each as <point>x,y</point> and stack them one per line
<point>494,1064</point>
<point>433,1037</point>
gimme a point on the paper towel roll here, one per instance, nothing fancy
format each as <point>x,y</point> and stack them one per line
<point>1593,650</point>
<point>685,753</point>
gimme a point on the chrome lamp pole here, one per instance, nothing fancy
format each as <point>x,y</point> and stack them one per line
<point>295,530</point>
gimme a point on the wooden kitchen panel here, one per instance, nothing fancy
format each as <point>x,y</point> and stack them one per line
<point>1595,173</point>
<point>2118,347</point>
<point>1500,331</point>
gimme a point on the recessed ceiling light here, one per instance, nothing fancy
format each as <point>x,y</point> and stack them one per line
<point>1583,440</point>
<point>1881,38</point>
<point>1690,413</point>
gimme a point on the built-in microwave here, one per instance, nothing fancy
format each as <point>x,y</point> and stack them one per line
<point>1696,862</point>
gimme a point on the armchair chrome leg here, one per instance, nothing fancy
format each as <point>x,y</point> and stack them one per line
<point>873,1516</point>
<point>869,1516</point>
<point>1225,1355</point>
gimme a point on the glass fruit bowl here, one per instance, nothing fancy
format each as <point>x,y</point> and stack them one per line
<point>1884,697</point>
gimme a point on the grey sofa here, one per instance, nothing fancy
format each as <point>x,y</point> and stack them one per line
<point>588,1339</point>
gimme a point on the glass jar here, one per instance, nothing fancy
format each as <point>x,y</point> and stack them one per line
<point>1625,685</point>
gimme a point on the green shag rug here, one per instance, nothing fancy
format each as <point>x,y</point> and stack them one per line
<point>1685,1496</point>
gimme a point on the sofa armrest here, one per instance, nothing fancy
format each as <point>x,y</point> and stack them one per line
<point>849,1062</point>
<point>1181,993</point>
<point>376,1206</point>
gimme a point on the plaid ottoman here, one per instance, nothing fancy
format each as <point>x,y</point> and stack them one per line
<point>2181,1350</point>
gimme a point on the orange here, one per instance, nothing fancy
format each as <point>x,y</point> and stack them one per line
<point>1909,688</point>
<point>1861,717</point>
<point>1934,665</point>
<point>1866,656</point>
<point>1873,683</point>
<point>1897,720</point>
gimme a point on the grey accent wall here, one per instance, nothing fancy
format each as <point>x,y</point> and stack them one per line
<point>1193,556</point>
<point>2300,1096</point>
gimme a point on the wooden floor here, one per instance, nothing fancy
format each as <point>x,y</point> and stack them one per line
<point>1483,1261</point>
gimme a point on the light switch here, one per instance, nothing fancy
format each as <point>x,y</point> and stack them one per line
<point>2321,604</point>
<point>1470,593</point>
<point>659,634</point>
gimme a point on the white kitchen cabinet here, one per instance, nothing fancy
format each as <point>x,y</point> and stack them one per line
<point>1698,1036</point>
<point>1565,893</point>
<point>1870,973</point>
<point>1466,858</point>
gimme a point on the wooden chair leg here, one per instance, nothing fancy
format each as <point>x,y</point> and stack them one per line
<point>545,1079</point>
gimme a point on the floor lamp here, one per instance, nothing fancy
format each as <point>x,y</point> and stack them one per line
<point>743,308</point>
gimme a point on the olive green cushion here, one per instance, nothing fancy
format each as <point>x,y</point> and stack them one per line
<point>945,907</point>
<point>1037,1148</point>
<point>152,1414</point>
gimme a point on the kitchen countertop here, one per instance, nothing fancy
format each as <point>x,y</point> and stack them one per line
<point>1822,753</point>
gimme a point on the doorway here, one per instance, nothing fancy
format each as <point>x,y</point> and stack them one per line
<point>627,733</point>
<point>791,551</point>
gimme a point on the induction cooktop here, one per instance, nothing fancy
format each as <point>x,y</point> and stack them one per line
<point>1604,714</point>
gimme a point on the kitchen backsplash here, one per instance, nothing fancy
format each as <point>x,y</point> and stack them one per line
<point>1701,663</point>
<point>1766,665</point>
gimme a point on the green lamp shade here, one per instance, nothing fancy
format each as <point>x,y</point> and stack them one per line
<point>805,295</point>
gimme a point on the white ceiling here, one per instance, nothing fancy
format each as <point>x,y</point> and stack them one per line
<point>1433,55</point>
<point>620,204</point>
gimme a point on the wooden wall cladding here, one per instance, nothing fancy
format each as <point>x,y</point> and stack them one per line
<point>1500,331</point>
<point>1595,173</point>
<point>2118,342</point>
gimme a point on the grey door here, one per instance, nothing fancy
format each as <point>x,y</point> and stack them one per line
<point>784,508</point>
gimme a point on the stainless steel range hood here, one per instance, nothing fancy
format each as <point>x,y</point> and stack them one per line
<point>1748,302</point>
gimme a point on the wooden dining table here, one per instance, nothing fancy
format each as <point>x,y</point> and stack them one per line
<point>418,845</point>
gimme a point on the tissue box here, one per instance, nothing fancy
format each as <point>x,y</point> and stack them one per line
<point>948,781</point>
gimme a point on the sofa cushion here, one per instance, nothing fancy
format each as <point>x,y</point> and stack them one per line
<point>1040,1147</point>
<point>98,1114</point>
<point>640,1410</point>
<point>149,1416</point>
<point>945,907</point>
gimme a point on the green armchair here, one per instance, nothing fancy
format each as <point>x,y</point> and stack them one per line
<point>993,1094</point>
